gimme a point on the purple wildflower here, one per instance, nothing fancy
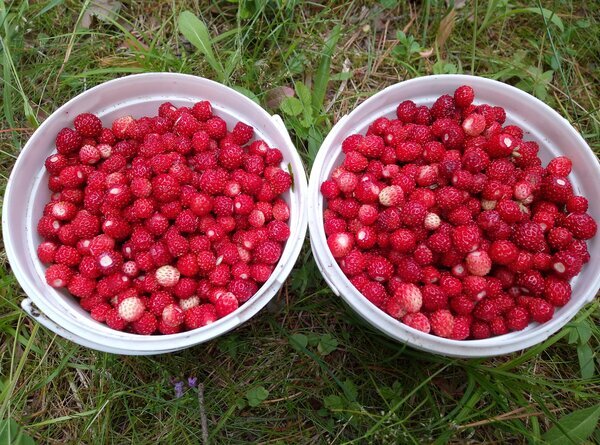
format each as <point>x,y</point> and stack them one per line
<point>192,381</point>
<point>178,389</point>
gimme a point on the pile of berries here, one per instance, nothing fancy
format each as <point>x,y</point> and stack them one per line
<point>445,219</point>
<point>164,223</point>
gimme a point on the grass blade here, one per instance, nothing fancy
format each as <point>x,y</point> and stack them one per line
<point>196,32</point>
<point>322,75</point>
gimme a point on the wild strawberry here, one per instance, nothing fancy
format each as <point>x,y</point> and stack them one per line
<point>167,276</point>
<point>566,265</point>
<point>340,244</point>
<point>461,329</point>
<point>503,252</point>
<point>281,211</point>
<point>486,310</point>
<point>88,125</point>
<point>462,305</point>
<point>406,111</point>
<point>473,125</point>
<point>201,110</point>
<point>417,321</point>
<point>159,301</point>
<point>100,311</point>
<point>540,310</point>
<point>449,198</point>
<point>379,269</point>
<point>355,162</point>
<point>444,106</point>
<point>67,141</point>
<point>463,96</point>
<point>55,163</point>
<point>88,154</point>
<point>560,166</point>
<point>81,286</point>
<point>67,255</point>
<point>408,151</point>
<point>199,316</point>
<point>58,275</point>
<point>442,323</point>
<point>556,291</point>
<point>581,225</point>
<point>478,263</point>
<point>517,318</point>
<point>131,309</point>
<point>434,298</point>
<point>147,324</point>
<point>409,297</point>
<point>466,238</point>
<point>115,321</point>
<point>529,236</point>
<point>173,315</point>
<point>557,189</point>
<point>226,304</point>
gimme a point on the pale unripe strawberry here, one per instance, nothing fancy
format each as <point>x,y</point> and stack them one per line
<point>432,221</point>
<point>391,195</point>
<point>188,303</point>
<point>167,276</point>
<point>409,297</point>
<point>105,150</point>
<point>479,263</point>
<point>487,204</point>
<point>131,309</point>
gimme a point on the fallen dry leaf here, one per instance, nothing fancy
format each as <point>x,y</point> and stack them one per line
<point>426,53</point>
<point>103,10</point>
<point>275,96</point>
<point>445,29</point>
<point>457,3</point>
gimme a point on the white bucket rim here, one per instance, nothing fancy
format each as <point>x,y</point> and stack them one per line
<point>503,344</point>
<point>247,310</point>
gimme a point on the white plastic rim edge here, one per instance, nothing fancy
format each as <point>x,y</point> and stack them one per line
<point>393,328</point>
<point>126,343</point>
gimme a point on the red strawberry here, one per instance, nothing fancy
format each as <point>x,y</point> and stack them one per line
<point>58,275</point>
<point>442,323</point>
<point>556,291</point>
<point>566,265</point>
<point>173,315</point>
<point>67,141</point>
<point>200,316</point>
<point>147,324</point>
<point>463,96</point>
<point>88,125</point>
<point>557,189</point>
<point>417,321</point>
<point>529,236</point>
<point>582,225</point>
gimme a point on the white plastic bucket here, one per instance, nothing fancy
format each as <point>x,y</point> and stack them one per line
<point>27,192</point>
<point>540,123</point>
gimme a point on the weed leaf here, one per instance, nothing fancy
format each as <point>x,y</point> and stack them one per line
<point>12,434</point>
<point>327,344</point>
<point>575,427</point>
<point>246,92</point>
<point>299,341</point>
<point>291,106</point>
<point>586,360</point>
<point>257,395</point>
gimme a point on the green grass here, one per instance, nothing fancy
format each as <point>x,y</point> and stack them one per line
<point>306,370</point>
